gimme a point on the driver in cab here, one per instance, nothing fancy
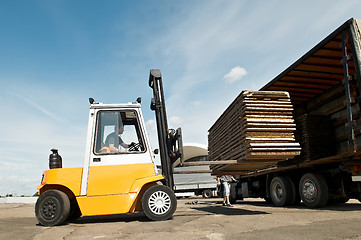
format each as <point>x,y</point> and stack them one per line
<point>113,141</point>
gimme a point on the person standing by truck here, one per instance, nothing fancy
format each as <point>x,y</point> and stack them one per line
<point>225,181</point>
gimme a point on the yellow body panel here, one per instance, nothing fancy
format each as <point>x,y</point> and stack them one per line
<point>106,205</point>
<point>68,177</point>
<point>114,204</point>
<point>116,179</point>
<point>139,183</point>
<point>111,189</point>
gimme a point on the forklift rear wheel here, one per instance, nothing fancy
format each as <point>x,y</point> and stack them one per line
<point>52,208</point>
<point>74,212</point>
<point>159,203</point>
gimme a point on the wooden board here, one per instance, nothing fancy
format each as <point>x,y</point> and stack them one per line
<point>257,130</point>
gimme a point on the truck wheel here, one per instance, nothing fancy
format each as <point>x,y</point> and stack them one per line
<point>268,200</point>
<point>159,203</point>
<point>207,193</point>
<point>313,190</point>
<point>280,191</point>
<point>52,208</point>
<point>338,200</point>
<point>295,198</point>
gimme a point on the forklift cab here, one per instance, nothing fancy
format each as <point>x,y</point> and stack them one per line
<point>112,173</point>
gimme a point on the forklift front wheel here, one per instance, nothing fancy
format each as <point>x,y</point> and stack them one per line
<point>159,203</point>
<point>52,208</point>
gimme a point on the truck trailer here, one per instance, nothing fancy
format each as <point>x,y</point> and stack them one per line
<point>321,147</point>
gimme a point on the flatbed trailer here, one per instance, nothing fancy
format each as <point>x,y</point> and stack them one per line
<point>324,87</point>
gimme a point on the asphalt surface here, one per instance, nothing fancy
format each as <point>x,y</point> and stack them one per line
<point>196,218</point>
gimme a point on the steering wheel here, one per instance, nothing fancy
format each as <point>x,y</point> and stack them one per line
<point>135,148</point>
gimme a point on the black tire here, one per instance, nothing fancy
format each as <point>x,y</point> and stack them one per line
<point>339,200</point>
<point>207,193</point>
<point>295,198</point>
<point>233,193</point>
<point>74,212</point>
<point>159,203</point>
<point>281,191</point>
<point>268,200</point>
<point>52,208</point>
<point>313,190</point>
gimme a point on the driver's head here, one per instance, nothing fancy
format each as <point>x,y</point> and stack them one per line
<point>119,129</point>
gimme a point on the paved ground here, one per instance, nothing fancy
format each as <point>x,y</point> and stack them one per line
<point>251,219</point>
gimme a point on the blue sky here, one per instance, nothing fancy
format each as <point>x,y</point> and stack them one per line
<point>54,55</point>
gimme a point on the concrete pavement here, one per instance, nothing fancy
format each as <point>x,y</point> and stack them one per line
<point>250,219</point>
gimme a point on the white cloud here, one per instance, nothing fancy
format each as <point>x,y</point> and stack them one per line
<point>175,120</point>
<point>236,74</point>
<point>151,125</point>
<point>196,103</point>
<point>44,110</point>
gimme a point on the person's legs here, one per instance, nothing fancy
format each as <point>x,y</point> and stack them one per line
<point>226,193</point>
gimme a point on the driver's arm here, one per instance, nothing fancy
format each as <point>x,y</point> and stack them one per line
<point>114,149</point>
<point>124,145</point>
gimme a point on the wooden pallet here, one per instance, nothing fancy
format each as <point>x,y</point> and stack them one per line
<point>257,127</point>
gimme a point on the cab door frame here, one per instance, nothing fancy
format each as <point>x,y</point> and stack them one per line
<point>93,161</point>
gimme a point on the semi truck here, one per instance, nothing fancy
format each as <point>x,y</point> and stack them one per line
<point>324,87</point>
<point>119,174</point>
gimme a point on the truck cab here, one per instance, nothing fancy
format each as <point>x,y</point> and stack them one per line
<point>118,176</point>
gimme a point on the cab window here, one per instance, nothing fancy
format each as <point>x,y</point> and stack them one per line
<point>118,132</point>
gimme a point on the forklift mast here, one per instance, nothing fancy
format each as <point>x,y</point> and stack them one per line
<point>170,140</point>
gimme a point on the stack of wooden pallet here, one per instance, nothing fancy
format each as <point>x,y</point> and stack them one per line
<point>257,127</point>
<point>314,133</point>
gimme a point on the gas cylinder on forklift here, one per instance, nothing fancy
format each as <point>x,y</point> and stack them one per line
<point>119,174</point>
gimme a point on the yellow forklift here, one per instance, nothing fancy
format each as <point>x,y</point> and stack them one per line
<point>119,174</point>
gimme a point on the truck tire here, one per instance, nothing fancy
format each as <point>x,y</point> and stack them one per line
<point>313,190</point>
<point>207,193</point>
<point>295,198</point>
<point>159,203</point>
<point>52,208</point>
<point>338,200</point>
<point>268,200</point>
<point>233,193</point>
<point>280,191</point>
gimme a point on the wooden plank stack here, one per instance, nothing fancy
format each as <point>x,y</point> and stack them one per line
<point>257,127</point>
<point>315,135</point>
